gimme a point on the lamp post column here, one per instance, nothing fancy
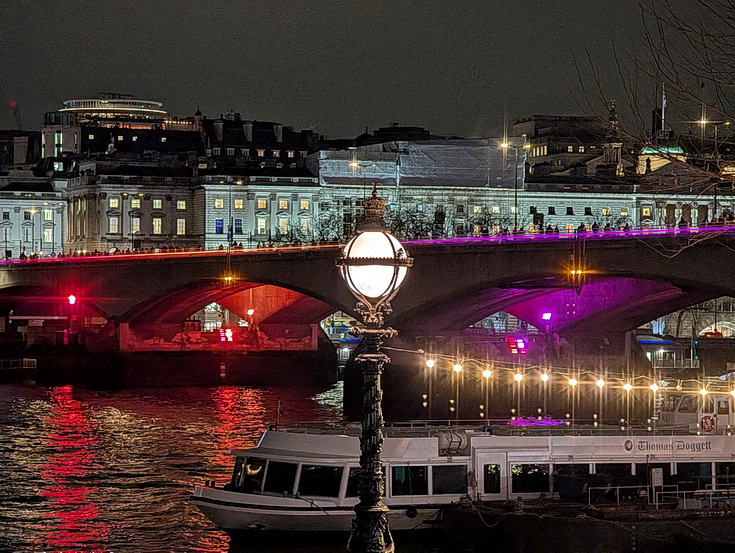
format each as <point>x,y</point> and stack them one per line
<point>370,532</point>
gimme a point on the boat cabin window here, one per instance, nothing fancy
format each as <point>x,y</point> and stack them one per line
<point>725,475</point>
<point>613,470</point>
<point>492,478</point>
<point>689,404</point>
<point>280,477</point>
<point>669,403</point>
<point>352,482</point>
<point>449,479</point>
<point>530,478</point>
<point>723,406</point>
<point>410,480</point>
<point>248,474</point>
<point>323,481</point>
<point>692,476</point>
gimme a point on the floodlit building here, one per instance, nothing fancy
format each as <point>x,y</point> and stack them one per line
<point>32,214</point>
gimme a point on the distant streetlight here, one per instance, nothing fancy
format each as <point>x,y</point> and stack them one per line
<point>373,264</point>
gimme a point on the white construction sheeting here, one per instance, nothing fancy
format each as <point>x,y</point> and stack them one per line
<point>453,163</point>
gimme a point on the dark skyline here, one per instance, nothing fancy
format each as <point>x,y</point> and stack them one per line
<point>332,66</point>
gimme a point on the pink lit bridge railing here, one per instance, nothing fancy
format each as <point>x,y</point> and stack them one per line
<point>285,248</point>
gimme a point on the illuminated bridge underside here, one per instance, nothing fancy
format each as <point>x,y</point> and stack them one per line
<point>603,305</point>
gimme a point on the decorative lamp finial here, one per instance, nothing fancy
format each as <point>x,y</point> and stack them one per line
<point>374,209</point>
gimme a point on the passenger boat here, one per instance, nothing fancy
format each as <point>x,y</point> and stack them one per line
<point>305,480</point>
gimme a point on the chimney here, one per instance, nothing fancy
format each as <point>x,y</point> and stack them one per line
<point>278,128</point>
<point>247,128</point>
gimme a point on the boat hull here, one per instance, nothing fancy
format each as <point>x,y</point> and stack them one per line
<point>236,512</point>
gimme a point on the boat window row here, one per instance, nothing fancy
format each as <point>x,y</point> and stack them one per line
<point>257,475</point>
<point>573,481</point>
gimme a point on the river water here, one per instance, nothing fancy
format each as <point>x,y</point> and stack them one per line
<point>112,471</point>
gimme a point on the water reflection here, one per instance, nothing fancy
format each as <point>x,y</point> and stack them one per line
<point>73,519</point>
<point>85,470</point>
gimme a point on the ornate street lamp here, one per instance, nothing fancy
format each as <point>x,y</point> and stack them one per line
<point>374,264</point>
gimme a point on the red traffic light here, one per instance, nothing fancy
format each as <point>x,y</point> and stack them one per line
<point>72,299</point>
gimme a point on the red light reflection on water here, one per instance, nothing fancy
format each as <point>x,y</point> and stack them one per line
<point>74,523</point>
<point>238,410</point>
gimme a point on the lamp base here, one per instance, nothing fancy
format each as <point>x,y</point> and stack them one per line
<point>370,532</point>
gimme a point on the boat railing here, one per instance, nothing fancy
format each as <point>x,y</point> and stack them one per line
<point>630,493</point>
<point>697,499</point>
<point>496,427</point>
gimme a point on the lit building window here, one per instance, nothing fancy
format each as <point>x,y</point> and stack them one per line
<point>476,209</point>
<point>219,203</point>
<point>646,212</point>
<point>544,150</point>
<point>135,203</point>
<point>135,139</point>
<point>158,204</point>
<point>239,204</point>
<point>291,153</point>
<point>48,215</point>
<point>283,225</point>
<point>496,209</point>
<point>276,153</point>
<point>180,226</point>
<point>114,203</point>
<point>261,226</point>
<point>570,149</point>
<point>90,137</point>
<point>262,204</point>
<point>304,204</point>
<point>605,211</point>
<point>282,204</point>
<point>157,225</point>
<point>570,229</point>
<point>163,139</point>
<point>623,211</point>
<point>219,226</point>
<point>114,225</point>
<point>581,149</point>
<point>119,138</point>
<point>135,225</point>
<point>181,204</point>
<point>48,235</point>
<point>261,153</point>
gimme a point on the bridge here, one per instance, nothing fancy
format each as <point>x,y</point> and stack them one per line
<point>143,300</point>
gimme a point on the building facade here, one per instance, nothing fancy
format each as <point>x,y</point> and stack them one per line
<point>32,216</point>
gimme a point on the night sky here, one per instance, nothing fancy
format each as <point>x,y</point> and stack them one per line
<point>334,66</point>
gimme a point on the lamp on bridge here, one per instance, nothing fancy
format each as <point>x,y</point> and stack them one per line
<point>374,264</point>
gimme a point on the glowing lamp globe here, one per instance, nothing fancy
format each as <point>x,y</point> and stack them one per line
<point>374,263</point>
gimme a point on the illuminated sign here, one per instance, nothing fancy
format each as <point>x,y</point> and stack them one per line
<point>517,346</point>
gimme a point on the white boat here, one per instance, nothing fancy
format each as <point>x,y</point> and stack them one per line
<point>304,480</point>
